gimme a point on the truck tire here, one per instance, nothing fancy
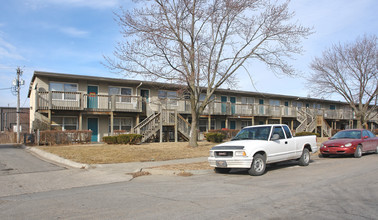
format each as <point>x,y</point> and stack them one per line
<point>304,160</point>
<point>258,165</point>
<point>358,152</point>
<point>222,170</point>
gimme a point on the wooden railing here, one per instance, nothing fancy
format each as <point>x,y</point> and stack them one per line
<point>79,101</point>
<point>56,100</point>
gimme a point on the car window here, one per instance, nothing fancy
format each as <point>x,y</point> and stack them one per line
<point>371,134</point>
<point>365,133</point>
<point>279,131</point>
<point>287,132</point>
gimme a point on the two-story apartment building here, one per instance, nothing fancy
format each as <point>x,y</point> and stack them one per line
<point>153,109</point>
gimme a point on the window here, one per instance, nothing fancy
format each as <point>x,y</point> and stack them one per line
<point>64,123</point>
<point>332,107</point>
<point>287,132</point>
<point>63,91</point>
<point>245,123</point>
<point>202,97</point>
<point>169,96</point>
<point>274,102</point>
<point>261,101</point>
<point>279,131</point>
<point>124,124</point>
<point>247,102</point>
<point>122,93</point>
<point>203,124</point>
<point>370,134</point>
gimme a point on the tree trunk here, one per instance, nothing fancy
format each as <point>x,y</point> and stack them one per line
<point>193,131</point>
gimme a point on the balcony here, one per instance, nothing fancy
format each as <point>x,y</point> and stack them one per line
<point>55,100</point>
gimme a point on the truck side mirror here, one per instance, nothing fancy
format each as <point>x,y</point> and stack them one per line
<point>275,137</point>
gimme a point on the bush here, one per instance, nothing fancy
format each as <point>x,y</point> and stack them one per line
<point>306,133</point>
<point>110,139</point>
<point>123,139</point>
<point>228,133</point>
<point>215,137</point>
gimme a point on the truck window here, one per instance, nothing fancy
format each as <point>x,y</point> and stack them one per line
<point>279,131</point>
<point>287,132</point>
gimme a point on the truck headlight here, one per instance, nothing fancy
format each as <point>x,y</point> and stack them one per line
<point>240,154</point>
<point>211,153</point>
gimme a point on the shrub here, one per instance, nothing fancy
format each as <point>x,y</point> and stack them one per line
<point>123,139</point>
<point>110,139</point>
<point>229,133</point>
<point>305,133</point>
<point>215,137</point>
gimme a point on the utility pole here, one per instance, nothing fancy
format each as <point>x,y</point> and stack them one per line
<point>17,83</point>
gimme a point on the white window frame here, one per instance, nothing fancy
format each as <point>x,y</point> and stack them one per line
<point>119,99</point>
<point>172,101</point>
<point>63,92</point>
<point>63,125</point>
<point>120,125</point>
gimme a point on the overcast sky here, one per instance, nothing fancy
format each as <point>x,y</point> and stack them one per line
<point>71,36</point>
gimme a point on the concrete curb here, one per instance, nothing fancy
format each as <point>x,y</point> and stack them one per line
<point>54,158</point>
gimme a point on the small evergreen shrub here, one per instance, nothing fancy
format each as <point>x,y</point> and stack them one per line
<point>110,139</point>
<point>305,133</point>
<point>215,137</point>
<point>123,139</point>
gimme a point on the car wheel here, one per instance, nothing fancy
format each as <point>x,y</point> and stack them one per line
<point>258,165</point>
<point>304,160</point>
<point>358,152</point>
<point>376,150</point>
<point>222,170</point>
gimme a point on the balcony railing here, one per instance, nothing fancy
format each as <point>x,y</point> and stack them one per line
<point>55,100</point>
<point>78,101</point>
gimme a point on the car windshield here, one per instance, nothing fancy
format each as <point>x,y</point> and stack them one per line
<point>347,135</point>
<point>253,133</point>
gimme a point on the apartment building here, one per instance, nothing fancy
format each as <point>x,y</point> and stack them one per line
<point>162,110</point>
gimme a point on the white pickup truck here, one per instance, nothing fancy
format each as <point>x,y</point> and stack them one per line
<point>255,146</point>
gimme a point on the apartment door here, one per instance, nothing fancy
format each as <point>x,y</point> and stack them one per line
<point>224,104</point>
<point>92,101</point>
<point>146,95</point>
<point>93,126</point>
<point>233,101</point>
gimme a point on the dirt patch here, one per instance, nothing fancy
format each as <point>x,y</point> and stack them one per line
<point>185,166</point>
<point>105,154</point>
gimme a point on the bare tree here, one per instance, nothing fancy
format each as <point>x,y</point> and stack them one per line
<point>201,44</point>
<point>350,70</point>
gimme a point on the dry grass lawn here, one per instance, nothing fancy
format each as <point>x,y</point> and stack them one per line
<point>104,154</point>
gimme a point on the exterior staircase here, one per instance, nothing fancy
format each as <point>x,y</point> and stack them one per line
<point>152,126</point>
<point>310,121</point>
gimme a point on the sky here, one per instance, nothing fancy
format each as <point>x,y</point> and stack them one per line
<point>72,36</point>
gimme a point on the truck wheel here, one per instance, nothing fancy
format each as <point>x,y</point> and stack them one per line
<point>258,165</point>
<point>358,152</point>
<point>222,170</point>
<point>304,160</point>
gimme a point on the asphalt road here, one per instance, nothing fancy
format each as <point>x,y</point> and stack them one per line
<point>329,188</point>
<point>15,160</point>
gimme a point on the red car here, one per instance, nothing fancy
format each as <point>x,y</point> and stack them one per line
<point>353,141</point>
